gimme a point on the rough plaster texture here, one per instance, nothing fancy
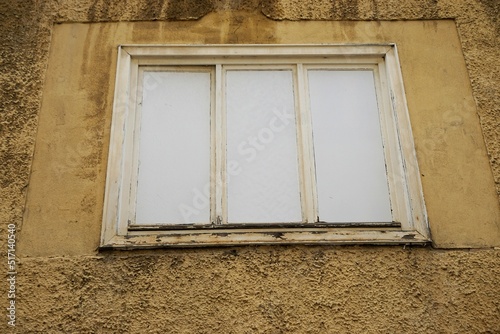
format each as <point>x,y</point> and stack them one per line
<point>264,290</point>
<point>254,289</point>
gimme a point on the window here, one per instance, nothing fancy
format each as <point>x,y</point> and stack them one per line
<point>231,144</point>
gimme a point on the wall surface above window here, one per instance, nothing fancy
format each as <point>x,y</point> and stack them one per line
<point>65,195</point>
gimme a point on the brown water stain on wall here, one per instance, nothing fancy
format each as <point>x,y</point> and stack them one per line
<point>188,9</point>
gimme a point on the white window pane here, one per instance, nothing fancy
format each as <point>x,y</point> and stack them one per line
<point>263,184</point>
<point>174,156</point>
<point>350,168</point>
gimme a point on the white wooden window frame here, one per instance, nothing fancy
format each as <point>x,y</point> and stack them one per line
<point>409,223</point>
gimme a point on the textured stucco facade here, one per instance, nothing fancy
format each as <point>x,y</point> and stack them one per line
<point>57,67</point>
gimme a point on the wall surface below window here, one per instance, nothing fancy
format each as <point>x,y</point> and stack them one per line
<point>57,80</point>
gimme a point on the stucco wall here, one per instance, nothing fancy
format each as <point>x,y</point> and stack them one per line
<point>248,289</point>
<point>264,290</point>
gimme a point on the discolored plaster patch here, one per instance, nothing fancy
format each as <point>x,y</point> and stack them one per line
<point>237,5</point>
<point>351,10</point>
<point>188,9</point>
<point>141,10</point>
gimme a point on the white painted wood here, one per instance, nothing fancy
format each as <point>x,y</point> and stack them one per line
<point>220,154</point>
<point>265,237</point>
<point>251,60</point>
<point>390,143</point>
<point>214,150</point>
<point>309,193</point>
<point>403,177</point>
<point>130,150</point>
<point>111,210</point>
<point>246,50</point>
<point>417,211</point>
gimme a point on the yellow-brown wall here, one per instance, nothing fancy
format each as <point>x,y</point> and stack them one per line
<point>59,61</point>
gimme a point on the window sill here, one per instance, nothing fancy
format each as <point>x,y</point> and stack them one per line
<point>267,236</point>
